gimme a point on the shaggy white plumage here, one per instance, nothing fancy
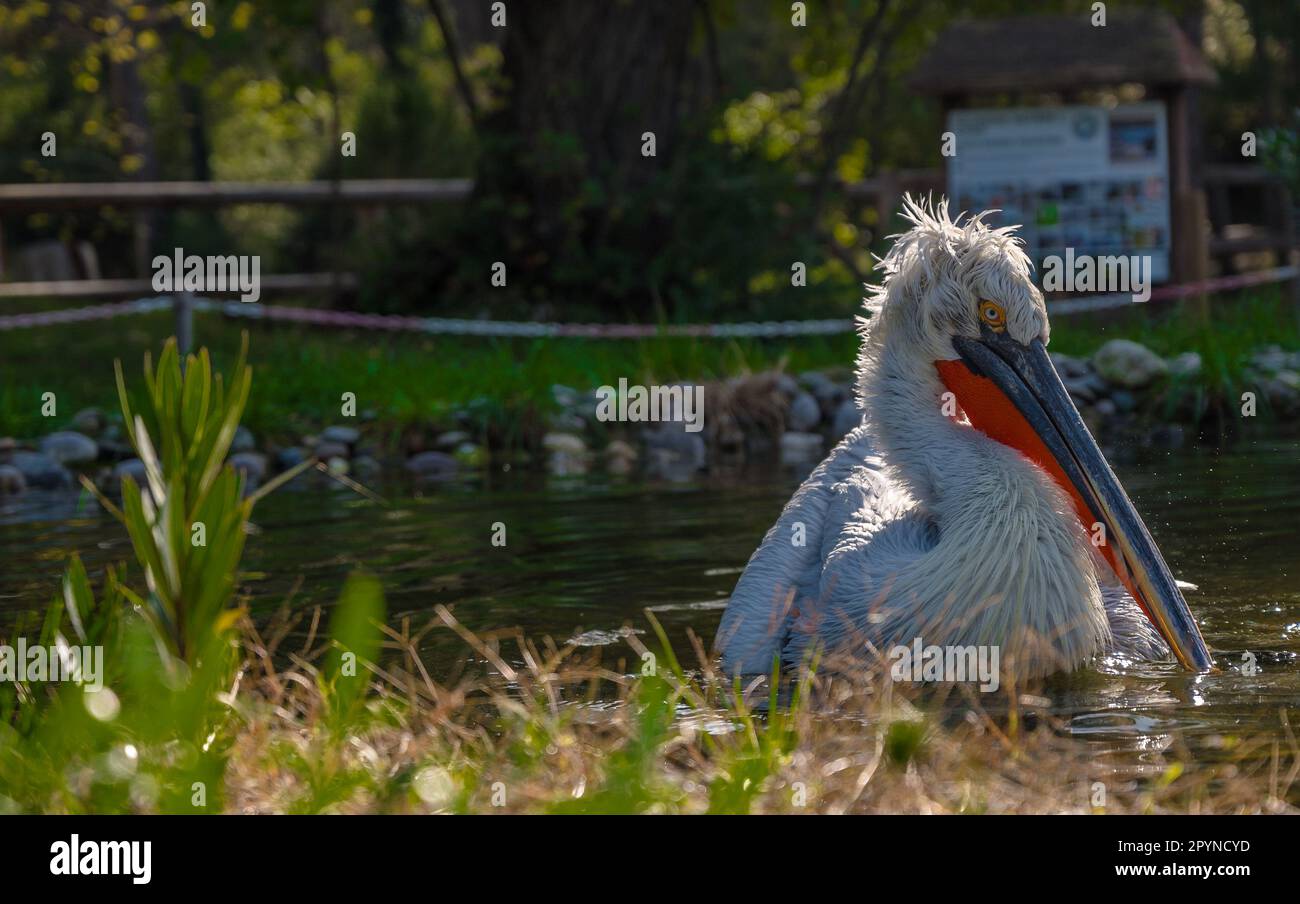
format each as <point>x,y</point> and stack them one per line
<point>918,525</point>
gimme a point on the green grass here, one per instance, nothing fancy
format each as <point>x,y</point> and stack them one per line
<point>1238,325</point>
<point>409,380</point>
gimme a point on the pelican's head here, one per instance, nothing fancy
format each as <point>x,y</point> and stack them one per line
<point>958,301</point>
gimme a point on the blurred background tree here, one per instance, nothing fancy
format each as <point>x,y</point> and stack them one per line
<point>755,121</point>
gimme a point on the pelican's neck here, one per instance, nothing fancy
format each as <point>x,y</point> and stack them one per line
<point>1010,548</point>
<point>903,402</point>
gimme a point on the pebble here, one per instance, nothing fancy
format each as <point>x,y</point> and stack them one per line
<point>290,457</point>
<point>348,436</point>
<point>366,467</point>
<point>328,449</point>
<point>671,446</point>
<point>252,464</point>
<point>566,453</point>
<point>804,413</point>
<point>68,447</point>
<point>90,421</point>
<point>431,465</point>
<point>40,470</point>
<point>1188,364</point>
<point>1069,366</point>
<point>131,467</point>
<point>12,481</point>
<point>451,439</point>
<point>847,418</point>
<point>1128,364</point>
<point>470,455</point>
<point>1124,400</point>
<point>244,440</point>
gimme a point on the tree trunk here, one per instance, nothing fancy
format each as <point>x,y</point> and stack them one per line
<point>562,151</point>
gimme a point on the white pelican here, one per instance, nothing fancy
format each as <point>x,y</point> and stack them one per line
<point>972,506</point>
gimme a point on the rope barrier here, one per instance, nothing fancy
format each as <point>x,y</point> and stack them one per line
<point>449,326</point>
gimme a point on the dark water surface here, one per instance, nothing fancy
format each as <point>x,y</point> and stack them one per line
<point>586,557</point>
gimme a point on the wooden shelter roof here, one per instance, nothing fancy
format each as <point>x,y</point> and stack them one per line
<point>1059,53</point>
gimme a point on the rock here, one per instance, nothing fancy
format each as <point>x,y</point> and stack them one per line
<point>804,413</point>
<point>619,449</point>
<point>787,385</point>
<point>842,374</point>
<point>1128,364</point>
<point>67,447</point>
<point>728,436</point>
<point>471,456</point>
<point>1068,366</point>
<point>251,464</point>
<point>328,449</point>
<point>1271,358</point>
<point>566,453</point>
<point>566,422</point>
<point>7,444</point>
<point>131,467</point>
<point>90,421</point>
<point>830,395</point>
<point>243,441</point>
<point>814,380</point>
<point>337,465</point>
<point>1283,395</point>
<point>847,418</point>
<point>290,457</point>
<point>431,465</point>
<point>1081,388</point>
<point>348,436</point>
<point>1124,400</point>
<point>114,450</point>
<point>40,470</point>
<point>451,439</point>
<point>566,443</point>
<point>1186,365</point>
<point>562,465</point>
<point>620,457</point>
<point>1290,378</point>
<point>798,448</point>
<point>366,467</point>
<point>670,447</point>
<point>1106,408</point>
<point>12,481</point>
<point>565,396</point>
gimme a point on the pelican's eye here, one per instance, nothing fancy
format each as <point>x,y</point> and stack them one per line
<point>991,313</point>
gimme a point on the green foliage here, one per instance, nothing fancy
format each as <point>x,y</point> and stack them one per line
<point>153,730</point>
<point>188,524</point>
<point>355,643</point>
<point>1280,151</point>
<point>904,740</point>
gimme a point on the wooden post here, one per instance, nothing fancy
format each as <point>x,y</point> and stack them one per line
<point>1188,209</point>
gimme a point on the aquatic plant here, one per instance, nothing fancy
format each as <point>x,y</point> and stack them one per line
<point>150,730</point>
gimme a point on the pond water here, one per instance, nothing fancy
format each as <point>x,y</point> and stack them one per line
<point>586,557</point>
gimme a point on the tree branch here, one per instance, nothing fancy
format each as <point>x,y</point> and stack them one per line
<point>841,106</point>
<point>453,54</point>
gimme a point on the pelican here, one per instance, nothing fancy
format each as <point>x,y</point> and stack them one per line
<point>971,506</point>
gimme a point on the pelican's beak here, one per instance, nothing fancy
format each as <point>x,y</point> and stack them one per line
<point>1012,393</point>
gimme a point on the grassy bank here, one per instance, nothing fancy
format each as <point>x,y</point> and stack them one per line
<point>409,380</point>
